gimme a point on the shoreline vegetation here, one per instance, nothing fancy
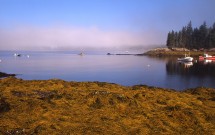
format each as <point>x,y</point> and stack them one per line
<point>165,52</point>
<point>178,52</point>
<point>60,107</point>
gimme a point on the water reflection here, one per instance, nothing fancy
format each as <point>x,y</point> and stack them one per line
<point>126,70</point>
<point>198,68</point>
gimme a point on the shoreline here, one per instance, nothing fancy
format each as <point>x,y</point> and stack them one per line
<point>162,52</point>
<point>2,75</point>
<point>57,106</point>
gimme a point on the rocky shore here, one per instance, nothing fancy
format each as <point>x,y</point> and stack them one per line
<point>60,107</point>
<point>178,52</point>
<point>5,75</point>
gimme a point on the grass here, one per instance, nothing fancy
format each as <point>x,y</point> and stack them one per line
<point>60,107</point>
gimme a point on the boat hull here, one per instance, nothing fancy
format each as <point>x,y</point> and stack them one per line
<point>206,58</point>
<point>186,59</point>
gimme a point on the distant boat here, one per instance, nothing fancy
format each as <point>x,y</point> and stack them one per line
<point>186,59</point>
<point>206,57</point>
<point>81,54</point>
<point>17,55</point>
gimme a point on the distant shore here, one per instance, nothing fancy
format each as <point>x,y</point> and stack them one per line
<point>177,52</point>
<point>61,107</point>
<point>2,74</point>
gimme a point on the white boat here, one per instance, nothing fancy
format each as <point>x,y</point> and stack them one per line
<point>186,59</point>
<point>16,54</point>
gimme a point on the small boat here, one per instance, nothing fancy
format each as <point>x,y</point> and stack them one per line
<point>186,59</point>
<point>15,54</point>
<point>81,54</point>
<point>206,57</point>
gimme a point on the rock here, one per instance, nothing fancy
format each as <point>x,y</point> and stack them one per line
<point>5,75</point>
<point>180,49</point>
<point>212,50</point>
<point>161,49</point>
<point>4,106</point>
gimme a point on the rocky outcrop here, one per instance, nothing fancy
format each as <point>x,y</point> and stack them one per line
<point>5,75</point>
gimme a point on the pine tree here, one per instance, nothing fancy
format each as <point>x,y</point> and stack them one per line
<point>171,40</point>
<point>203,32</point>
<point>212,37</point>
<point>190,38</point>
<point>189,32</point>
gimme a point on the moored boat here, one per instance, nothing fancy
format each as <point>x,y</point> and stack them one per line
<point>186,59</point>
<point>207,57</point>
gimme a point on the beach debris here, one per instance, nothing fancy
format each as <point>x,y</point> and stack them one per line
<point>17,131</point>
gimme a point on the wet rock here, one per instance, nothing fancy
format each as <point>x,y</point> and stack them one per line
<point>45,94</point>
<point>120,97</point>
<point>5,75</point>
<point>173,108</point>
<point>4,106</point>
<point>99,93</point>
<point>18,93</point>
<point>38,129</point>
<point>97,104</point>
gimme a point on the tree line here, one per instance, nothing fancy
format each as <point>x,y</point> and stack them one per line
<point>197,38</point>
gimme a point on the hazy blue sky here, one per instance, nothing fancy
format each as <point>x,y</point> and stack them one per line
<point>79,24</point>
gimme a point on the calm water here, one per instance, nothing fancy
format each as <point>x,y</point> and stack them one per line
<point>124,70</point>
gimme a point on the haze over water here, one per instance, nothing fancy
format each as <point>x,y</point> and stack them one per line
<point>83,25</point>
<point>126,70</point>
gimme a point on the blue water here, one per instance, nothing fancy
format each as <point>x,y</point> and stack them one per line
<point>126,70</point>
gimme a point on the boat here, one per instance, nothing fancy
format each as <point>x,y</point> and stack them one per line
<point>81,54</point>
<point>186,58</point>
<point>17,55</point>
<point>206,57</point>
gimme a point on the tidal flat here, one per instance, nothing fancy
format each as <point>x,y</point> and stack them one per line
<point>60,107</point>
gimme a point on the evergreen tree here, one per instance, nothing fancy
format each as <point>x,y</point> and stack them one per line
<point>171,40</point>
<point>189,32</point>
<point>203,32</point>
<point>184,37</point>
<point>212,37</point>
<point>187,37</point>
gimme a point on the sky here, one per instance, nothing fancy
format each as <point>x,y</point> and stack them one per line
<point>96,24</point>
